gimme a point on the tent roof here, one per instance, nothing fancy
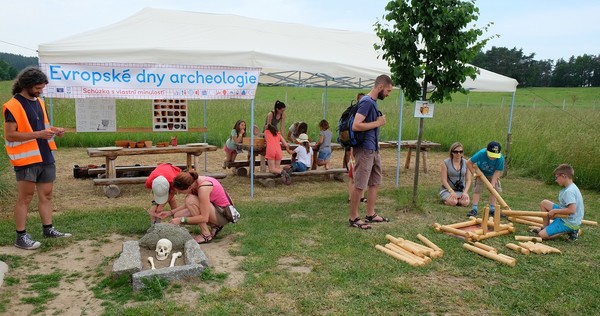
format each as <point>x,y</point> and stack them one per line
<point>288,53</point>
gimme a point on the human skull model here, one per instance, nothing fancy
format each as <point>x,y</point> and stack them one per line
<point>163,249</point>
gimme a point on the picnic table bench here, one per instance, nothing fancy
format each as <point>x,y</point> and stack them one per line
<point>260,151</point>
<point>267,178</point>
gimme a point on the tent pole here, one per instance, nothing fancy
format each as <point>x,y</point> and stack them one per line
<point>251,165</point>
<point>51,112</point>
<point>509,135</point>
<point>325,102</point>
<point>401,99</point>
<point>205,119</point>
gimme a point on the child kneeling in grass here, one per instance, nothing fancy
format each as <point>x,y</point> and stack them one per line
<point>570,202</point>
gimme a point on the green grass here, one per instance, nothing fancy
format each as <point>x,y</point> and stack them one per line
<point>348,276</point>
<point>544,132</point>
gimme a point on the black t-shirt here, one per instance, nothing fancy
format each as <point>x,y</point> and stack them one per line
<point>35,115</point>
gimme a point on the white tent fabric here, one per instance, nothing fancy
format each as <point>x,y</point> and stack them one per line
<point>288,53</point>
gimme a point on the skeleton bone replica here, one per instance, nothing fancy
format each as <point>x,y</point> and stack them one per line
<point>163,249</point>
<point>151,260</point>
<point>174,257</point>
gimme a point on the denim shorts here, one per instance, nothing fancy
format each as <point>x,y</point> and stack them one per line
<point>324,155</point>
<point>37,174</point>
<point>298,166</point>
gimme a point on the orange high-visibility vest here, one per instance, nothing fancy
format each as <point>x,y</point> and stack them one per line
<point>26,152</point>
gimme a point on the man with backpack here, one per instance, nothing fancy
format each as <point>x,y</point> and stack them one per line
<point>367,167</point>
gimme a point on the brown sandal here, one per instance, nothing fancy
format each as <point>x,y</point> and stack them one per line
<point>203,239</point>
<point>355,223</point>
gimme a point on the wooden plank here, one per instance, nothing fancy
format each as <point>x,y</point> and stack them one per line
<point>141,130</point>
<point>123,169</point>
<point>246,163</point>
<point>141,180</point>
<point>320,172</point>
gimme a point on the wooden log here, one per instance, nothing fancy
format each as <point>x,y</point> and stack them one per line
<point>487,183</point>
<point>426,250</point>
<point>491,223</point>
<point>466,235</point>
<point>517,248</point>
<point>532,219</point>
<point>410,248</point>
<point>528,238</point>
<point>491,234</point>
<point>490,255</point>
<point>540,220</point>
<point>437,251</point>
<point>485,219</point>
<point>532,247</point>
<point>485,247</point>
<point>524,213</point>
<point>396,255</point>
<point>508,258</point>
<point>549,248</point>
<point>588,222</point>
<point>421,260</point>
<point>522,221</point>
<point>464,224</point>
<point>497,218</point>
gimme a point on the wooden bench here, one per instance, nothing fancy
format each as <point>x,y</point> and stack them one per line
<point>267,178</point>
<point>124,169</point>
<point>240,167</point>
<point>111,188</point>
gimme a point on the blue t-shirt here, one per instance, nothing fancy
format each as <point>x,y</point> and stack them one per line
<point>368,107</point>
<point>567,196</point>
<point>485,164</point>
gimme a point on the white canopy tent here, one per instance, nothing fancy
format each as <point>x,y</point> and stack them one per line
<point>286,53</point>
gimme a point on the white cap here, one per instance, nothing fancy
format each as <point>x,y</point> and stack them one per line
<point>160,190</point>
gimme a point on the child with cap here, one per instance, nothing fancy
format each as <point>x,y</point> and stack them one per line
<point>304,154</point>
<point>491,162</point>
<point>160,181</point>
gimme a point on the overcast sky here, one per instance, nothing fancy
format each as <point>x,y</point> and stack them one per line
<point>551,29</point>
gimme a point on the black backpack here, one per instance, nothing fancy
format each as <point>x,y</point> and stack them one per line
<point>346,136</point>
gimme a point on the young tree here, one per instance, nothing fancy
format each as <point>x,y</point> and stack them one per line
<point>429,41</point>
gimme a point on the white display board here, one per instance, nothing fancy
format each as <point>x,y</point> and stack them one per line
<point>95,115</point>
<point>424,109</point>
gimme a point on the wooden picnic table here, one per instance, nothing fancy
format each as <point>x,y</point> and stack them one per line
<point>192,153</point>
<point>411,145</point>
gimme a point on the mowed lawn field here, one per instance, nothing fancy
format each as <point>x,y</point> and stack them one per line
<point>298,255</point>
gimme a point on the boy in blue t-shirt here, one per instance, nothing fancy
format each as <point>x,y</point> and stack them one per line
<point>570,202</point>
<point>491,162</point>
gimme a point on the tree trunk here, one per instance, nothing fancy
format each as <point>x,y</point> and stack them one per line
<point>418,151</point>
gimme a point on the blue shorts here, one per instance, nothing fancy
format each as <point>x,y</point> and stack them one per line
<point>558,227</point>
<point>324,155</point>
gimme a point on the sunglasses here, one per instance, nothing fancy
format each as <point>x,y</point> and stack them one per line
<point>457,151</point>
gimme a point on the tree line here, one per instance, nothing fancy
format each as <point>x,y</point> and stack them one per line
<point>11,64</point>
<point>580,71</point>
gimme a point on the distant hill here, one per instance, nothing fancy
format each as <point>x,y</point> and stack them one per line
<point>11,65</point>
